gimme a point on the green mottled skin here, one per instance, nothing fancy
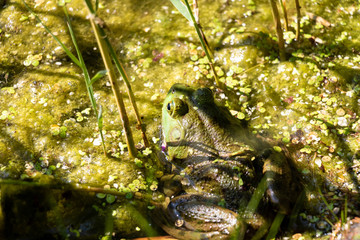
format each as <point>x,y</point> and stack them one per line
<point>215,161</point>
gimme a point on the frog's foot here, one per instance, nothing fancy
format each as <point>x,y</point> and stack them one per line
<point>199,217</point>
<point>278,181</point>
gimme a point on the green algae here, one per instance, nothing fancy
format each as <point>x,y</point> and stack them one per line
<point>310,103</point>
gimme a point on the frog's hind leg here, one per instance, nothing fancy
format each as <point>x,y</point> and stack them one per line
<point>199,217</point>
<point>278,181</point>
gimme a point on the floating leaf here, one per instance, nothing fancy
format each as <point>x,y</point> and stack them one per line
<point>100,195</point>
<point>110,198</point>
<point>277,148</point>
<point>62,132</point>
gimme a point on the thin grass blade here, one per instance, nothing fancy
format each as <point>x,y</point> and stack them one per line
<point>346,207</point>
<point>204,43</point>
<point>327,205</point>
<point>100,117</point>
<point>67,51</point>
<point>79,62</point>
<point>114,83</point>
<point>97,76</point>
<point>96,5</point>
<point>257,196</point>
<point>121,70</point>
<point>180,6</point>
<point>86,77</point>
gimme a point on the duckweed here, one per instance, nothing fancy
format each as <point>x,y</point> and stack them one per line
<point>33,60</point>
<point>147,151</point>
<point>9,115</point>
<point>277,149</point>
<point>138,162</point>
<point>110,198</point>
<point>101,195</point>
<point>9,90</point>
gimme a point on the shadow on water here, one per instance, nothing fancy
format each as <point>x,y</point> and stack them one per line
<point>35,212</point>
<point>46,207</point>
<point>8,74</point>
<point>352,81</point>
<point>45,213</point>
<point>18,150</point>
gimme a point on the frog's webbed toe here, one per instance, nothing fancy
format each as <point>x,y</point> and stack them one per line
<point>199,217</point>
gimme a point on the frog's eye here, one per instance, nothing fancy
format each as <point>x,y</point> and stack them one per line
<point>177,108</point>
<point>203,95</point>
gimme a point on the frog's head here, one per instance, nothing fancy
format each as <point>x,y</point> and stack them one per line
<point>185,121</point>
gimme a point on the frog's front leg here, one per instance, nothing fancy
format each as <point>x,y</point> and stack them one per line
<point>278,180</point>
<point>199,217</point>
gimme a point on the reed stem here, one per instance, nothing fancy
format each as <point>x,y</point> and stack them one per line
<point>123,74</point>
<point>283,7</point>
<point>203,41</point>
<point>114,83</point>
<point>327,205</point>
<point>89,86</point>
<point>275,226</point>
<point>279,31</point>
<point>298,18</point>
<point>80,63</point>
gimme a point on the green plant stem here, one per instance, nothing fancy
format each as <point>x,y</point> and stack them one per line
<point>344,213</point>
<point>257,196</point>
<point>115,87</point>
<point>296,209</point>
<point>346,207</point>
<point>79,62</point>
<point>298,18</point>
<point>275,226</point>
<point>278,28</point>
<point>141,220</point>
<point>329,222</point>
<point>283,7</point>
<point>86,77</point>
<point>109,224</point>
<point>254,203</point>
<point>327,204</point>
<point>123,74</point>
<point>204,44</point>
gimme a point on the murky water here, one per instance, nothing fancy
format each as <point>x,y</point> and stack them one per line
<point>48,130</point>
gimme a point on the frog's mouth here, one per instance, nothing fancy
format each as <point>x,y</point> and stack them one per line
<point>185,149</point>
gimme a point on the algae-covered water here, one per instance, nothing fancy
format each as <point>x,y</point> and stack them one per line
<point>48,131</point>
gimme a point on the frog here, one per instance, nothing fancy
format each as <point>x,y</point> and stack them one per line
<point>215,164</point>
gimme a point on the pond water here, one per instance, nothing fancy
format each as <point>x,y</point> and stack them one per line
<point>49,134</point>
